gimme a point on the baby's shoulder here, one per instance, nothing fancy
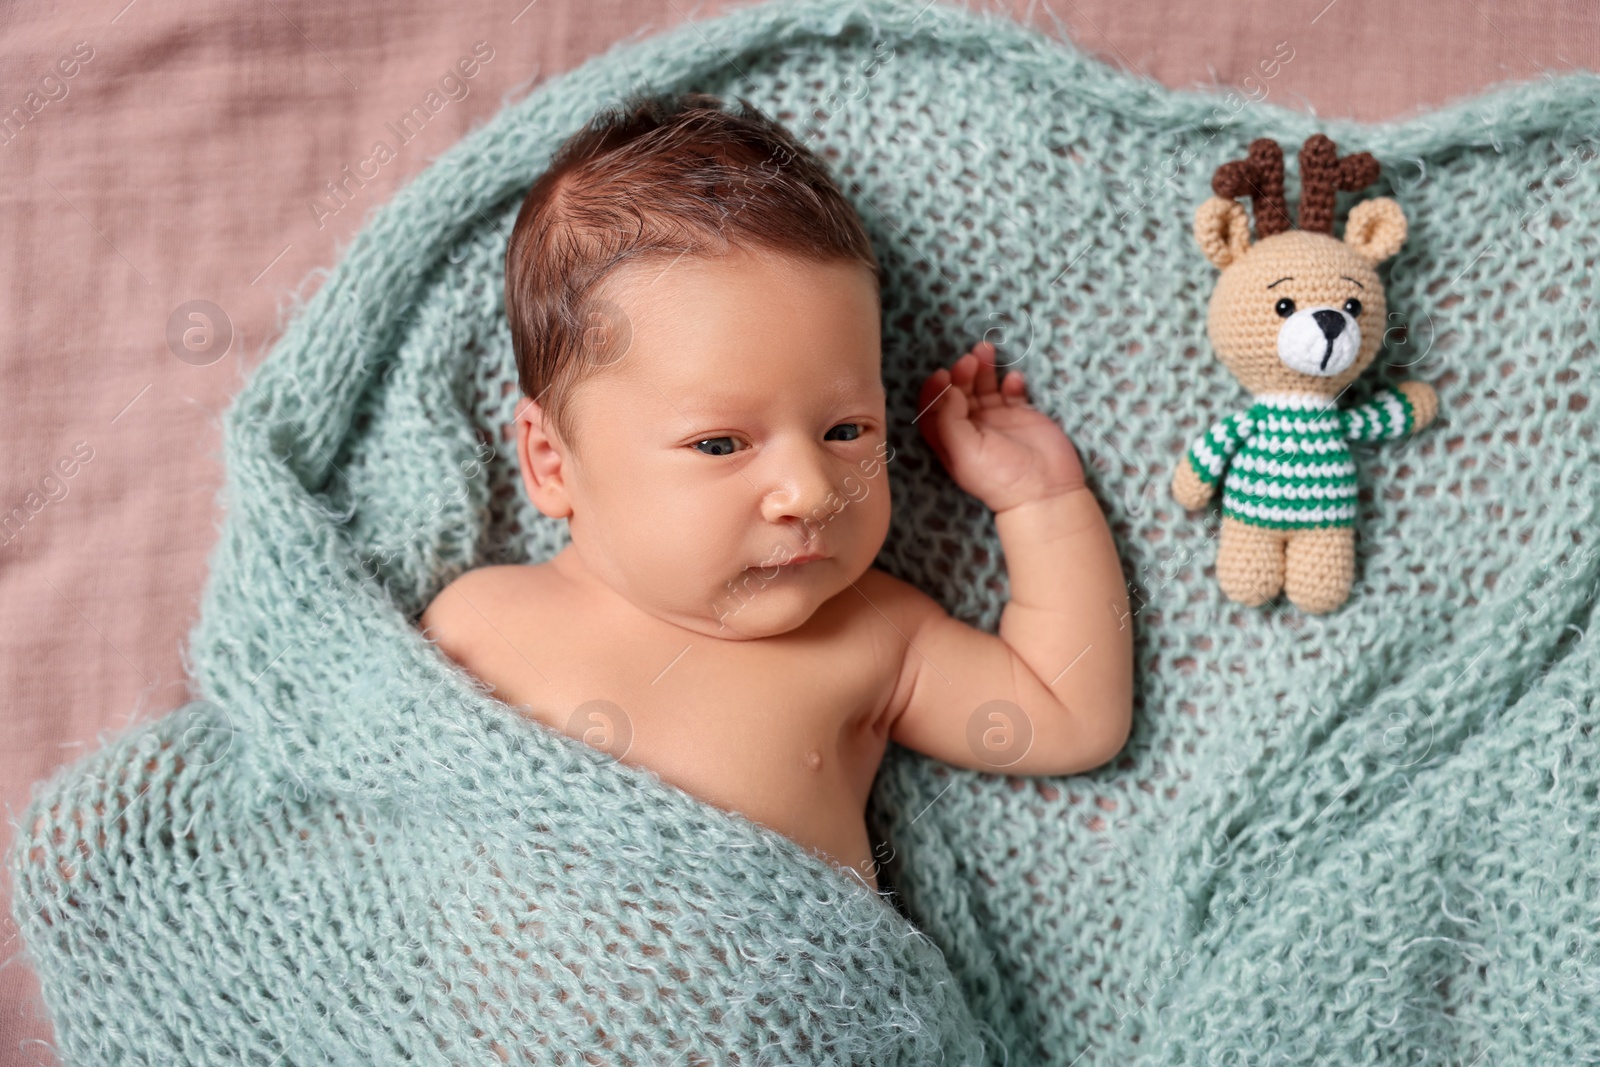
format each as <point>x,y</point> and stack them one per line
<point>902,603</point>
<point>478,601</point>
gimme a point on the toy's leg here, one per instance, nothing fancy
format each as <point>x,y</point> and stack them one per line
<point>1322,565</point>
<point>1250,565</point>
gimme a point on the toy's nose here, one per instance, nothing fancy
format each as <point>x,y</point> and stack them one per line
<point>1330,322</point>
<point>1319,341</point>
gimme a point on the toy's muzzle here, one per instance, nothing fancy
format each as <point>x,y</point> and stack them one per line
<point>1320,341</point>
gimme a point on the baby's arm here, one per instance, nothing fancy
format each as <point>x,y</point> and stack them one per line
<point>1053,693</point>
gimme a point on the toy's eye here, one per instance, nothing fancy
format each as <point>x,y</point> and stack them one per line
<point>723,446</point>
<point>1284,308</point>
<point>853,429</point>
<point>1352,307</point>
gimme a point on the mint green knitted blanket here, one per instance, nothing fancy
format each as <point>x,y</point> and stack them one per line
<point>1365,837</point>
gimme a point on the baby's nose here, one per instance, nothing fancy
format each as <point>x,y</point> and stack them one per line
<point>802,486</point>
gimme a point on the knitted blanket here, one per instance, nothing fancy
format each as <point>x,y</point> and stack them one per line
<point>1365,837</point>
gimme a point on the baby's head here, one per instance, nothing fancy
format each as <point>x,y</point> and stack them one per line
<point>695,308</point>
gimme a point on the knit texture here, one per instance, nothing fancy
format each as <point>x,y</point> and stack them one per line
<point>1364,837</point>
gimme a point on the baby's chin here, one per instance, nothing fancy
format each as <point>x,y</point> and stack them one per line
<point>750,625</point>
<point>771,607</point>
<point>754,604</point>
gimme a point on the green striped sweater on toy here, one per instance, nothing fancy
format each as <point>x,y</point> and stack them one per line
<point>1291,468</point>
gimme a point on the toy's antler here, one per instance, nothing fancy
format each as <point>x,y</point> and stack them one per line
<point>1322,172</point>
<point>1260,177</point>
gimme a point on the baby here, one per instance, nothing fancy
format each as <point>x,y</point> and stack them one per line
<point>694,309</point>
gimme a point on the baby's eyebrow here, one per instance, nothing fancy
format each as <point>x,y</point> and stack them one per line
<point>708,406</point>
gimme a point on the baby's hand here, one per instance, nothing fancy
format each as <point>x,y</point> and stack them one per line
<point>995,444</point>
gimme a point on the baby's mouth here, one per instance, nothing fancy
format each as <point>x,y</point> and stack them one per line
<point>791,563</point>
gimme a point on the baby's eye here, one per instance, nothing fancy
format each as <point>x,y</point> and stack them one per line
<point>852,429</point>
<point>721,446</point>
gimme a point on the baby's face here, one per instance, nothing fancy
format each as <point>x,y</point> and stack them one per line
<point>742,427</point>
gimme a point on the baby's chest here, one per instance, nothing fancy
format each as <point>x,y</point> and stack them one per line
<point>756,726</point>
<point>799,714</point>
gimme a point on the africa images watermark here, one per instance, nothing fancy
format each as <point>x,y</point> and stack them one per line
<point>54,486</point>
<point>52,88</point>
<point>855,491</point>
<point>453,86</point>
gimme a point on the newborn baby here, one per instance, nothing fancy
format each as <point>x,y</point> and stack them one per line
<point>695,314</point>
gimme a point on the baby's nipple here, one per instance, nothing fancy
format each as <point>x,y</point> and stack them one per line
<point>814,760</point>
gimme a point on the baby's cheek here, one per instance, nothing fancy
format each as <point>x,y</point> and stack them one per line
<point>855,488</point>
<point>873,512</point>
<point>690,534</point>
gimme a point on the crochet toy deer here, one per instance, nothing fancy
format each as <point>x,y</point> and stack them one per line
<point>1296,316</point>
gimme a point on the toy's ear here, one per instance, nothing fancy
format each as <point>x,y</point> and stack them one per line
<point>1222,230</point>
<point>1376,228</point>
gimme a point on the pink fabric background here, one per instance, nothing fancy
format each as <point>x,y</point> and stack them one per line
<point>179,166</point>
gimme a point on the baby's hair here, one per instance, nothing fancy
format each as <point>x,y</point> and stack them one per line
<point>658,177</point>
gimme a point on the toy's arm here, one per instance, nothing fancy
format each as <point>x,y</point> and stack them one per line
<point>1201,468</point>
<point>1053,692</point>
<point>1393,413</point>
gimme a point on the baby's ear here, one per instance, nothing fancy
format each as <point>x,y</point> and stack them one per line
<point>1376,228</point>
<point>541,460</point>
<point>1222,230</point>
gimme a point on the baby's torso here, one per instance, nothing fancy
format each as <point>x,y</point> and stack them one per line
<point>787,730</point>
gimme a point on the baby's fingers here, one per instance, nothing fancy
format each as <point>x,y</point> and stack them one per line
<point>933,392</point>
<point>952,425</point>
<point>986,381</point>
<point>978,374</point>
<point>1013,388</point>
